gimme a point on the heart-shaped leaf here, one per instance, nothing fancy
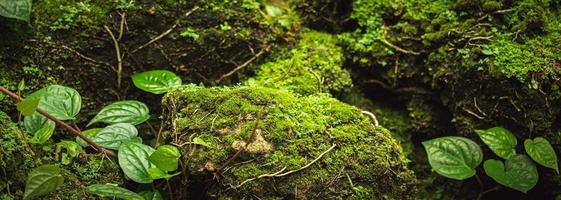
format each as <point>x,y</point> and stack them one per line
<point>132,112</point>
<point>28,106</point>
<point>151,195</point>
<point>110,190</point>
<point>156,81</point>
<point>133,159</point>
<point>62,102</point>
<point>112,136</point>
<point>453,157</point>
<point>90,133</point>
<point>518,173</point>
<point>166,158</point>
<point>20,9</point>
<point>42,180</point>
<point>35,122</point>
<point>541,151</point>
<point>499,140</point>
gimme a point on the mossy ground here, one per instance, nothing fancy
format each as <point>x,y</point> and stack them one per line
<point>292,131</point>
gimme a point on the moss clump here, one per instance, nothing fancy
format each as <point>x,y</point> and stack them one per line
<point>313,66</point>
<point>539,55</point>
<point>285,131</point>
<point>18,157</point>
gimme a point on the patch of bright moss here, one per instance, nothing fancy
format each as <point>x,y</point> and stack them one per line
<point>298,129</point>
<point>314,65</point>
<point>539,55</point>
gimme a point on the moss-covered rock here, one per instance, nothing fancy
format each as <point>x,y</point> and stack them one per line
<point>461,65</point>
<point>18,157</point>
<point>273,132</point>
<point>313,66</point>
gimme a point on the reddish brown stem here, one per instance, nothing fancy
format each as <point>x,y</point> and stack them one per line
<point>63,124</point>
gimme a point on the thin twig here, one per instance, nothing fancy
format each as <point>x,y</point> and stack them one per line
<point>386,42</point>
<point>372,116</point>
<point>63,124</point>
<point>245,64</point>
<point>118,55</point>
<point>88,58</point>
<point>165,32</point>
<point>280,172</point>
<point>121,26</point>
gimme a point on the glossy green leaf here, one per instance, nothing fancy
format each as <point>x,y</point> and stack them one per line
<point>43,180</point>
<point>157,173</point>
<point>28,106</point>
<point>152,195</point>
<point>453,157</point>
<point>518,173</point>
<point>16,9</point>
<point>133,159</point>
<point>62,102</point>
<point>501,141</point>
<point>90,133</point>
<point>541,151</point>
<point>43,134</point>
<point>112,136</point>
<point>114,191</point>
<point>156,81</point>
<point>35,122</point>
<point>132,112</point>
<point>166,158</point>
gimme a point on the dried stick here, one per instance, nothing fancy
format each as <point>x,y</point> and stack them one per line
<point>245,64</point>
<point>118,55</point>
<point>63,124</point>
<point>372,116</point>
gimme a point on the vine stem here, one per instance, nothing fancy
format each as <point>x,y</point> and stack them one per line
<point>72,130</point>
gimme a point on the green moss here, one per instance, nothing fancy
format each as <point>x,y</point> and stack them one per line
<point>314,65</point>
<point>539,55</point>
<point>288,132</point>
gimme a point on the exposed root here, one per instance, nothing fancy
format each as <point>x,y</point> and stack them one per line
<point>281,172</point>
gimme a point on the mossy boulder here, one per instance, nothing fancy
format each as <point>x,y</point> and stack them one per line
<point>18,157</point>
<point>448,52</point>
<point>266,132</point>
<point>313,66</point>
<point>461,65</point>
